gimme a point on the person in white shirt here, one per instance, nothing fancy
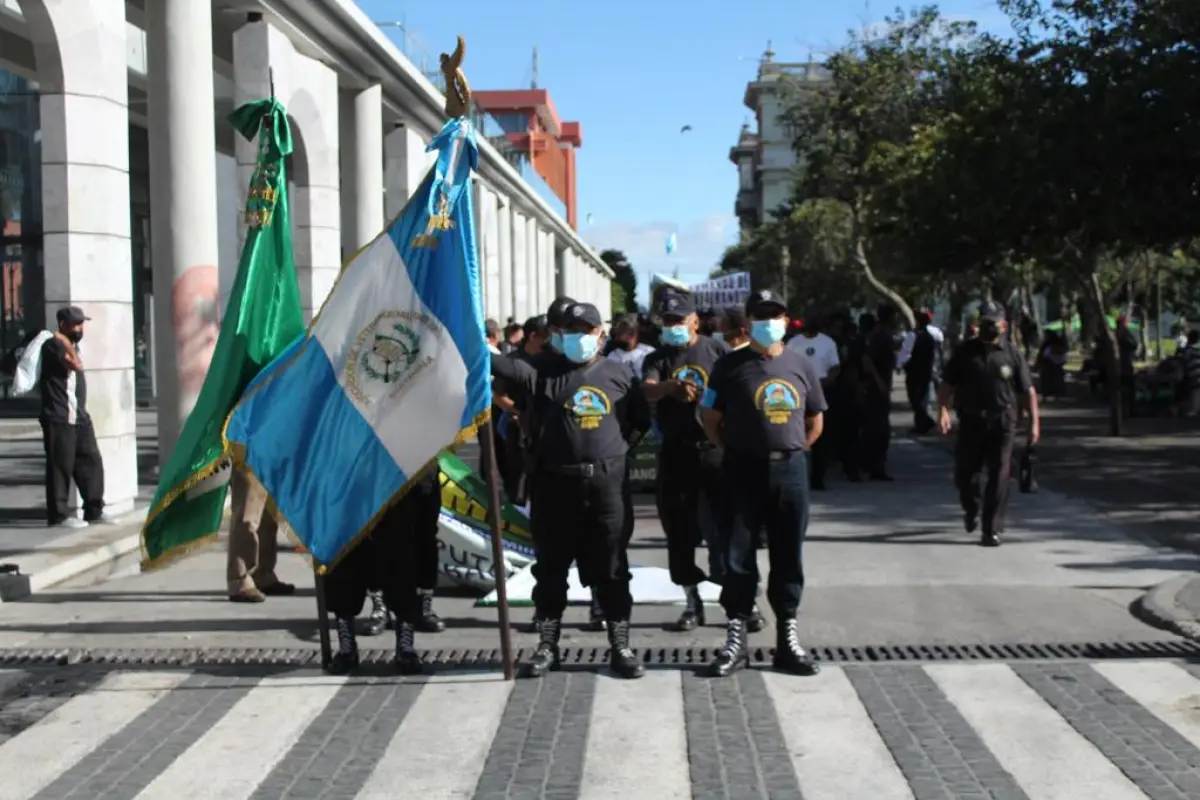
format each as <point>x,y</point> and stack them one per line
<point>822,351</point>
<point>625,345</point>
<point>906,345</point>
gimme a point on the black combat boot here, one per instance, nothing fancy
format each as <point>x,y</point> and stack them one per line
<point>621,658</point>
<point>429,622</point>
<point>693,612</point>
<point>533,626</point>
<point>377,620</point>
<point>789,655</point>
<point>734,655</point>
<point>546,657</point>
<point>990,539</point>
<point>756,622</point>
<point>407,660</point>
<point>595,616</point>
<point>345,660</point>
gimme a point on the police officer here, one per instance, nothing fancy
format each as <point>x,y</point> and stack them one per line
<point>879,367</point>
<point>989,385</point>
<point>689,465</point>
<point>583,410</point>
<point>424,504</point>
<point>764,407</point>
<point>394,556</point>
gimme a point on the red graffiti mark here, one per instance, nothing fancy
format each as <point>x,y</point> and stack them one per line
<point>195,314</point>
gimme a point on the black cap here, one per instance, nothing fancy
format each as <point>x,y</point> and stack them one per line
<point>675,305</point>
<point>555,314</point>
<point>583,312</point>
<point>735,316</point>
<point>765,300</point>
<point>535,325</point>
<point>71,315</point>
<point>991,310</point>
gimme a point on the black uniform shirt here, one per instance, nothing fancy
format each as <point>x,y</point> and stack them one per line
<point>577,413</point>
<point>987,378</point>
<point>764,400</point>
<point>693,364</point>
<point>923,357</point>
<point>63,390</point>
<point>881,350</point>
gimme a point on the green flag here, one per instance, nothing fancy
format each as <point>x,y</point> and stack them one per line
<point>263,317</point>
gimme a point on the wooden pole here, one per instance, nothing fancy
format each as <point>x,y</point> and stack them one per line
<point>323,620</point>
<point>499,570</point>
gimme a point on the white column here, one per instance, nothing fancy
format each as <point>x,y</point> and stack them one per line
<point>521,304</point>
<point>405,166</point>
<point>546,267</point>
<point>505,289</point>
<point>531,235</point>
<point>85,212</point>
<point>489,252</point>
<point>368,165</point>
<point>183,196</point>
<point>603,294</point>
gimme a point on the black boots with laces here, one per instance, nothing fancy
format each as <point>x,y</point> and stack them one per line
<point>621,658</point>
<point>345,660</point>
<point>790,657</point>
<point>379,619</point>
<point>734,654</point>
<point>693,613</point>
<point>546,657</point>
<point>407,660</point>
<point>429,621</point>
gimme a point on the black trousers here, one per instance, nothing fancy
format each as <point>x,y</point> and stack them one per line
<point>917,385</point>
<point>581,520</point>
<point>771,495</point>
<point>876,433</point>
<point>72,452</point>
<point>846,427</point>
<point>818,461</point>
<point>397,558</point>
<point>984,445</point>
<point>684,470</point>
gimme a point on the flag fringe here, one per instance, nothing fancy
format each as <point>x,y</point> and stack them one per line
<point>171,554</point>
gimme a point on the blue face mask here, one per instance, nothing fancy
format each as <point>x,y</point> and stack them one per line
<point>767,332</point>
<point>676,335</point>
<point>580,347</point>
<point>556,341</point>
<point>717,336</point>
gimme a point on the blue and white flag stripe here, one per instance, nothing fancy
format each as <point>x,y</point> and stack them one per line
<point>394,369</point>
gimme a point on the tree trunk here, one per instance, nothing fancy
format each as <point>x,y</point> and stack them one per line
<point>1094,296</point>
<point>859,240</point>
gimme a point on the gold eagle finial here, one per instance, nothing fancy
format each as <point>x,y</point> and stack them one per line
<point>458,91</point>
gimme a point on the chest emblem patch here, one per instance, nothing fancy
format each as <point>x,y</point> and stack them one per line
<point>690,373</point>
<point>1006,372</point>
<point>778,400</point>
<point>589,406</point>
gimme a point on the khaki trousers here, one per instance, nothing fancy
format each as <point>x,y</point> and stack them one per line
<point>252,546</point>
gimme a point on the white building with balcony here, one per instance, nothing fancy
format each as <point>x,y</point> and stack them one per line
<point>122,183</point>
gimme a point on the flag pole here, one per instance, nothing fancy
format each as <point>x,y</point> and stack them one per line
<point>323,619</point>
<point>458,104</point>
<point>487,447</point>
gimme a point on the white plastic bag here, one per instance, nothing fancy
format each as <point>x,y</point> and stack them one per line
<point>29,368</point>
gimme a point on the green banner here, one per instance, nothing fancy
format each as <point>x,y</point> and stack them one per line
<point>263,317</point>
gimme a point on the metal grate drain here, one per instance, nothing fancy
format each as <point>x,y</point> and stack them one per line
<point>596,656</point>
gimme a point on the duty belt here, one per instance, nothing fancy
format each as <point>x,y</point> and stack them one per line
<point>584,470</point>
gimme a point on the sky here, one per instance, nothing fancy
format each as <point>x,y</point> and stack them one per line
<point>633,73</point>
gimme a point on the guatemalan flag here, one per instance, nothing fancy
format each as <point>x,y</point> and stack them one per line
<point>394,369</point>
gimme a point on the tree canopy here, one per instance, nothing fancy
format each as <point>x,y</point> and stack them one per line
<point>937,162</point>
<point>624,286</point>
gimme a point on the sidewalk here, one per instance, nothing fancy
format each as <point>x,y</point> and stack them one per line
<point>886,565</point>
<point>47,556</point>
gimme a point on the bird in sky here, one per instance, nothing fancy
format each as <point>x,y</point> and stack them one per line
<point>685,129</point>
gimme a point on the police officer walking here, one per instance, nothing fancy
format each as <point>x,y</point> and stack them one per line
<point>583,410</point>
<point>989,384</point>
<point>763,407</point>
<point>689,465</point>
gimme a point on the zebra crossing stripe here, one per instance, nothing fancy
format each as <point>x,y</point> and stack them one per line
<point>266,722</point>
<point>69,733</point>
<point>439,750</point>
<point>834,747</point>
<point>1167,691</point>
<point>649,753</point>
<point>1049,759</point>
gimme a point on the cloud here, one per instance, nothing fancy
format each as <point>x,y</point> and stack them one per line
<point>700,244</point>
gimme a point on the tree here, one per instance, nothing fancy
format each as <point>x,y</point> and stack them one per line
<point>624,285</point>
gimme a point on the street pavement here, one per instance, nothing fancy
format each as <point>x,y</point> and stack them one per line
<point>888,565</point>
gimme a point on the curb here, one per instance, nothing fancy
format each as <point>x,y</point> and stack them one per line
<point>20,432</point>
<point>1160,607</point>
<point>73,555</point>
